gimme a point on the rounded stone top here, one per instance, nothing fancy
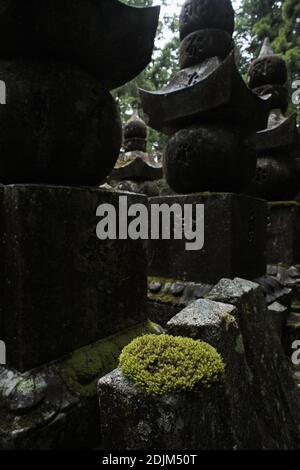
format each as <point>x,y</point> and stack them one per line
<point>267,69</point>
<point>135,128</point>
<point>204,14</point>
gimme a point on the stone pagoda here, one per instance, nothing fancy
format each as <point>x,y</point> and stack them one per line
<point>136,171</point>
<point>206,108</point>
<point>209,114</point>
<point>277,173</point>
<point>63,290</point>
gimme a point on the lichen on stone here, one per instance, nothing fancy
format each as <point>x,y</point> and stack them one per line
<point>163,364</point>
<point>229,320</point>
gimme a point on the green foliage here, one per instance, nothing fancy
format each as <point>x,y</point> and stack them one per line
<point>287,41</point>
<point>164,364</point>
<point>155,76</point>
<point>255,20</point>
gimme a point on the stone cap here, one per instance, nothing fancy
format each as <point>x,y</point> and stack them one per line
<point>279,136</point>
<point>201,319</point>
<point>213,90</point>
<point>138,167</point>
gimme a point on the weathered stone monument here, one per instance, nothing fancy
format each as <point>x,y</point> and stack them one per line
<point>206,108</point>
<point>209,114</point>
<point>277,173</point>
<point>136,170</point>
<point>64,292</point>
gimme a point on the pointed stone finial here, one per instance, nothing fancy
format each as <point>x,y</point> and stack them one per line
<point>266,49</point>
<point>268,69</point>
<point>267,75</point>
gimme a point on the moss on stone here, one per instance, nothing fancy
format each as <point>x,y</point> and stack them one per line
<point>229,321</point>
<point>294,325</point>
<point>161,296</point>
<point>284,204</point>
<point>164,298</point>
<point>164,364</point>
<point>82,369</point>
<point>163,280</point>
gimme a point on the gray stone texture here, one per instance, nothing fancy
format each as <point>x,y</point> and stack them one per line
<point>130,419</point>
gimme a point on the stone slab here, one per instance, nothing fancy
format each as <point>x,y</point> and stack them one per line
<point>61,287</point>
<point>235,237</point>
<point>202,318</point>
<point>131,419</point>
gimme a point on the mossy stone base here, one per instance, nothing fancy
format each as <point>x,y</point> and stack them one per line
<point>68,416</point>
<point>137,420</point>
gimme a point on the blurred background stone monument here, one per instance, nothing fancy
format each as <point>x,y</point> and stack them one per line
<point>277,172</point>
<point>136,170</point>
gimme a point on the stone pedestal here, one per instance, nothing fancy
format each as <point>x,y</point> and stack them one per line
<point>257,406</point>
<point>283,233</point>
<point>61,287</point>
<point>234,245</point>
<point>179,421</point>
<point>234,319</point>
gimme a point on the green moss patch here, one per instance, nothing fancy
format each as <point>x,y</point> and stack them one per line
<point>164,364</point>
<point>82,369</point>
<point>284,204</point>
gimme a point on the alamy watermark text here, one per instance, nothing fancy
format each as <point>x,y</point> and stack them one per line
<point>158,222</point>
